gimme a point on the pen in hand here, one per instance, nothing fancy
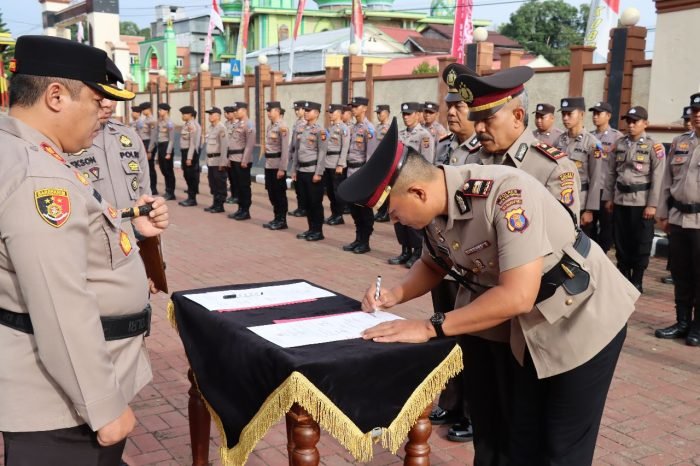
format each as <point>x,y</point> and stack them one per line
<point>377,291</point>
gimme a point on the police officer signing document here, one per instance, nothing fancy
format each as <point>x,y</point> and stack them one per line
<point>527,264</point>
<point>73,289</point>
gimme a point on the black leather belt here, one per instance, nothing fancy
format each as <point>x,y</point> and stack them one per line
<point>209,156</point>
<point>684,208</point>
<point>567,272</point>
<point>235,151</point>
<point>355,164</point>
<point>584,186</point>
<point>273,155</point>
<point>307,164</point>
<point>114,327</point>
<point>333,152</point>
<point>633,188</point>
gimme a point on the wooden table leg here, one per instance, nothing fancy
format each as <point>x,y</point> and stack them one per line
<point>305,434</point>
<point>200,424</point>
<point>417,448</point>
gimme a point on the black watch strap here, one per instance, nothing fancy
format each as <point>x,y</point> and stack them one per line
<point>437,319</point>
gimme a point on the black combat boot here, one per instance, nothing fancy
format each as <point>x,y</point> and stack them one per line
<point>693,338</point>
<point>401,258</point>
<point>414,257</point>
<point>678,330</point>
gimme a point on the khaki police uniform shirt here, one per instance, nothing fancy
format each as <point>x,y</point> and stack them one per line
<point>116,164</point>
<point>587,153</point>
<point>682,181</point>
<point>164,132</point>
<point>636,163</point>
<point>313,145</point>
<point>338,145</point>
<point>277,141</point>
<point>145,126</point>
<point>298,127</point>
<point>66,259</point>
<point>451,152</point>
<point>217,143</point>
<point>499,219</point>
<point>363,141</point>
<point>437,132</point>
<point>242,139</point>
<point>190,137</point>
<point>381,130</point>
<point>608,139</point>
<point>549,137</point>
<point>547,164</point>
<point>420,139</point>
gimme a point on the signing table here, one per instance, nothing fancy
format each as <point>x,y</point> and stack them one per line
<point>358,391</point>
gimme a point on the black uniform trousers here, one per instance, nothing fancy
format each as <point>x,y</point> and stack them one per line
<point>331,180</point>
<point>191,173</point>
<point>243,182</point>
<point>277,193</point>
<point>153,175</point>
<point>408,237</point>
<point>364,222</point>
<point>555,420</point>
<point>302,202</point>
<point>633,238</point>
<point>217,183</point>
<point>313,193</point>
<point>74,446</point>
<point>600,229</point>
<point>684,259</point>
<point>233,184</point>
<point>166,168</point>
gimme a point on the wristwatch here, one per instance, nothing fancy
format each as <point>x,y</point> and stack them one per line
<point>437,320</point>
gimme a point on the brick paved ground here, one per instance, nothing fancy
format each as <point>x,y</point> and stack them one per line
<point>653,411</point>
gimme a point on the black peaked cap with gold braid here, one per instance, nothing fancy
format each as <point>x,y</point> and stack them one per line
<point>486,95</point>
<point>371,184</point>
<point>449,75</point>
<point>61,58</point>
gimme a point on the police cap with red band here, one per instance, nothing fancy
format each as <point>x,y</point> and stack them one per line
<point>486,95</point>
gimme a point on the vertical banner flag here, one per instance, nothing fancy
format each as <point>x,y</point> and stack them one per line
<point>297,23</point>
<point>463,28</point>
<point>214,21</point>
<point>244,33</point>
<point>357,24</point>
<point>602,18</point>
<point>81,32</point>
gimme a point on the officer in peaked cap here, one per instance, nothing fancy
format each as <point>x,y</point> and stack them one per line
<point>190,140</point>
<point>297,129</point>
<point>336,162</point>
<point>430,114</point>
<point>230,122</point>
<point>383,112</point>
<point>276,160</point>
<point>498,106</point>
<point>146,126</point>
<point>544,121</point>
<point>162,145</point>
<point>501,233</point>
<point>74,352</point>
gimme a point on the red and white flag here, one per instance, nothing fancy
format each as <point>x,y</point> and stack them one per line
<point>81,33</point>
<point>215,16</point>
<point>245,22</point>
<point>463,31</point>
<point>357,23</point>
<point>603,17</point>
<point>300,13</point>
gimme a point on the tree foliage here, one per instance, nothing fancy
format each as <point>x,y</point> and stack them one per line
<point>129,28</point>
<point>425,68</point>
<point>548,28</point>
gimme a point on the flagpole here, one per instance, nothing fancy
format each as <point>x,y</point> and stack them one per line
<point>290,73</point>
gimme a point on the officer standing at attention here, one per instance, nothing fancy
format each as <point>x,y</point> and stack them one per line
<point>587,153</point>
<point>230,123</point>
<point>454,148</point>
<point>66,380</point>
<point>511,241</point>
<point>240,155</point>
<point>384,120</point>
<point>145,128</point>
<point>217,162</point>
<point>276,160</point>
<point>601,229</point>
<point>308,165</point>
<point>434,127</point>
<point>347,117</point>
<point>298,127</point>
<point>162,142</point>
<point>679,214</point>
<point>190,138</point>
<point>336,162</point>
<point>544,122</point>
<point>135,118</point>
<point>362,143</point>
<point>632,194</point>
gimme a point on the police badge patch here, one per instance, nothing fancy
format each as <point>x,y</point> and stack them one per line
<point>516,220</point>
<point>53,205</point>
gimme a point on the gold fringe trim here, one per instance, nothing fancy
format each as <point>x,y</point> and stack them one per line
<point>170,314</point>
<point>298,389</point>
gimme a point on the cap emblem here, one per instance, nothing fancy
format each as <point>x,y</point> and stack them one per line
<point>565,103</point>
<point>465,93</point>
<point>451,78</point>
<point>540,107</point>
<point>632,111</point>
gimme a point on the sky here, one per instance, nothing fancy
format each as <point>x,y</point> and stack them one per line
<point>24,16</point>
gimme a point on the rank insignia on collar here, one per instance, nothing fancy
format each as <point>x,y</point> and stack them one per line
<point>133,166</point>
<point>461,201</point>
<point>551,152</point>
<point>52,152</point>
<point>477,188</point>
<point>124,243</point>
<point>125,141</point>
<point>53,205</point>
<point>520,154</point>
<point>95,171</point>
<point>516,220</point>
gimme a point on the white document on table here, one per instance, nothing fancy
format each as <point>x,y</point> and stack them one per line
<point>322,329</point>
<point>265,296</point>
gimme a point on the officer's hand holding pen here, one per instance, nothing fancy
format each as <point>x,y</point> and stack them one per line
<point>387,299</point>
